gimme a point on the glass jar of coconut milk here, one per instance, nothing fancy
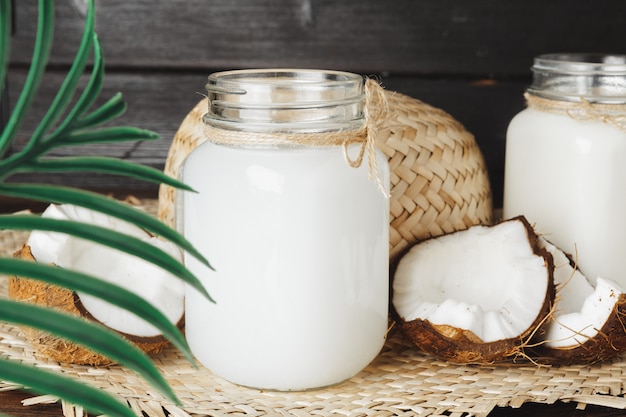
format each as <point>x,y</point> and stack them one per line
<point>565,166</point>
<point>291,208</point>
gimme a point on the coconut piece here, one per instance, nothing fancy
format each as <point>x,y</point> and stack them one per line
<point>46,245</point>
<point>62,299</point>
<point>586,325</point>
<point>157,286</point>
<point>474,296</point>
<point>160,288</point>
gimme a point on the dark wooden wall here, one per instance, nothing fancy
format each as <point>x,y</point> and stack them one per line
<point>470,58</point>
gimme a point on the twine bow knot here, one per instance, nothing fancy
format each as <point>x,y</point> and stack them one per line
<point>588,111</point>
<point>376,109</point>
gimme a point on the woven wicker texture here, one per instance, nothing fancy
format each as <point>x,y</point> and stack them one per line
<point>401,381</point>
<point>439,181</point>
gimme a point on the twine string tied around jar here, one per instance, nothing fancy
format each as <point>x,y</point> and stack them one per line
<point>584,110</point>
<point>375,111</point>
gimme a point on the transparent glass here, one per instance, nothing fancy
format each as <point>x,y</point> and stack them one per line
<point>564,166</point>
<point>298,238</point>
<point>599,78</point>
<point>285,100</point>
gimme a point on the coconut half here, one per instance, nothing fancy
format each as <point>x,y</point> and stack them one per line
<point>474,296</point>
<point>587,324</point>
<point>160,288</point>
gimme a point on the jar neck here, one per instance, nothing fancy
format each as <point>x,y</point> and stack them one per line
<point>571,77</point>
<point>285,100</point>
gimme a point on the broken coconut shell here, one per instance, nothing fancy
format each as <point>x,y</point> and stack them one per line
<point>475,296</point>
<point>587,324</point>
<point>65,300</point>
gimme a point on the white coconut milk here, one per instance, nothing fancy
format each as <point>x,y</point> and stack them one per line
<point>569,177</point>
<point>299,243</point>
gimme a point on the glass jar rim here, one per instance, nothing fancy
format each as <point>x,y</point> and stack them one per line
<point>594,77</point>
<point>235,81</point>
<point>278,99</point>
<point>581,63</point>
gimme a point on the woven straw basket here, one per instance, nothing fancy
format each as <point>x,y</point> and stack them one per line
<point>439,182</point>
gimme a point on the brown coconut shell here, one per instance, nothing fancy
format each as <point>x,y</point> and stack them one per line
<point>609,343</point>
<point>65,300</point>
<point>463,346</point>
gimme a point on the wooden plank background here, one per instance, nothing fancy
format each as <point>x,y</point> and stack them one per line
<point>470,58</point>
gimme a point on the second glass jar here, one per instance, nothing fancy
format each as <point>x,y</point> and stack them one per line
<point>565,167</point>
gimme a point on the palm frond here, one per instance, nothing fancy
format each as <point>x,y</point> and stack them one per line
<point>68,88</point>
<point>120,241</point>
<point>110,110</point>
<point>66,195</point>
<point>90,93</point>
<point>87,334</point>
<point>67,124</point>
<point>104,165</point>
<point>47,382</point>
<point>88,284</point>
<point>41,53</point>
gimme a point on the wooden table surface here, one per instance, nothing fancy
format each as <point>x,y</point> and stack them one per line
<point>11,404</point>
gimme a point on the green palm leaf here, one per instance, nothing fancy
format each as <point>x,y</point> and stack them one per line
<point>66,92</point>
<point>113,108</point>
<point>47,382</point>
<point>123,242</point>
<point>66,195</point>
<point>91,285</point>
<point>104,165</point>
<point>105,135</point>
<point>80,126</point>
<point>88,334</point>
<point>90,93</point>
<point>43,44</point>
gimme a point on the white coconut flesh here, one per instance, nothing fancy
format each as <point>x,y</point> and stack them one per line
<point>158,287</point>
<point>486,280</point>
<point>45,245</point>
<point>581,310</point>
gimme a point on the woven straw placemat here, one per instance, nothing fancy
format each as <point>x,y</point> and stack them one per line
<point>401,381</point>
